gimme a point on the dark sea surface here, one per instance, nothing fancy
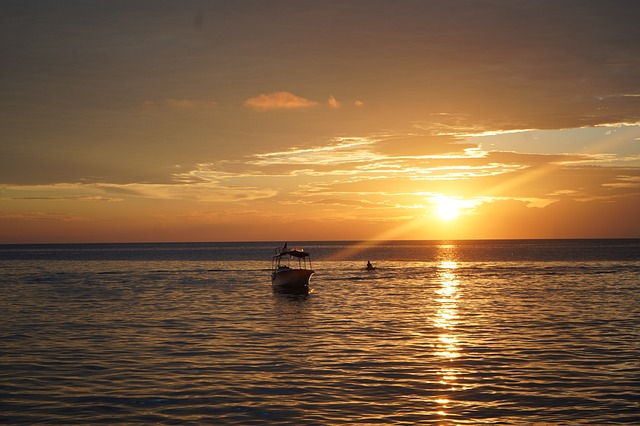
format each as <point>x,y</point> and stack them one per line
<point>543,332</point>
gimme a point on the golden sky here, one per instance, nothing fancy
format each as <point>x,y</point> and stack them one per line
<point>318,120</point>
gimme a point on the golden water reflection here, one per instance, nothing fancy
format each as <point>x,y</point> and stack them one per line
<point>447,346</point>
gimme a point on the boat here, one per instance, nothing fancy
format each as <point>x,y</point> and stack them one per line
<point>291,269</point>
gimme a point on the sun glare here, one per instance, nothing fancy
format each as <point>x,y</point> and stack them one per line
<point>447,211</point>
<point>446,208</point>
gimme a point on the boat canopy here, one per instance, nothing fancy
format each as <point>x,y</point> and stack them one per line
<point>295,253</point>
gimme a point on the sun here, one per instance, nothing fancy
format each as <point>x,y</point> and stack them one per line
<point>447,208</point>
<point>447,212</point>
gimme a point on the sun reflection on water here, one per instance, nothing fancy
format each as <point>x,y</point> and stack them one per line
<point>447,347</point>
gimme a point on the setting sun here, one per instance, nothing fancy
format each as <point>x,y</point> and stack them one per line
<point>447,211</point>
<point>447,208</point>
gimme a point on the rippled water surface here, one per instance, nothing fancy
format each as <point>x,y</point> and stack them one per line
<point>509,332</point>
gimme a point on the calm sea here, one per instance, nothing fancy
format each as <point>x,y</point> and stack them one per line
<point>443,333</point>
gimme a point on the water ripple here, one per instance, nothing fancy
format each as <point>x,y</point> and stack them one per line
<point>444,343</point>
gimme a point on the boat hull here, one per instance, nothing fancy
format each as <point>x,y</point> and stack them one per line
<point>291,279</point>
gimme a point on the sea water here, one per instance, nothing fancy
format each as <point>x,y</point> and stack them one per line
<point>443,333</point>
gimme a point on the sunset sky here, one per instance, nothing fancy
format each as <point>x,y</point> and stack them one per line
<point>318,120</point>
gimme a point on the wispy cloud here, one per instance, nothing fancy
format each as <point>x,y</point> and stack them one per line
<point>44,217</point>
<point>278,100</point>
<point>181,104</point>
<point>69,198</point>
<point>339,150</point>
<point>205,191</point>
<point>202,191</point>
<point>625,182</point>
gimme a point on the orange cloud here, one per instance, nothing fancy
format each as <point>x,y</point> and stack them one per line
<point>278,100</point>
<point>333,102</point>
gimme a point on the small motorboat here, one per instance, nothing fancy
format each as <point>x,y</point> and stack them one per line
<point>289,270</point>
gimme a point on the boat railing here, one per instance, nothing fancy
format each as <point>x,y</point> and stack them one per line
<point>284,257</point>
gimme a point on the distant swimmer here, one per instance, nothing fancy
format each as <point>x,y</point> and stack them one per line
<point>369,265</point>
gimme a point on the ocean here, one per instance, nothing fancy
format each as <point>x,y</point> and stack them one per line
<point>527,332</point>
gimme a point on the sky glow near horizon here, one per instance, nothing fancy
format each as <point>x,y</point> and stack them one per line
<point>308,120</point>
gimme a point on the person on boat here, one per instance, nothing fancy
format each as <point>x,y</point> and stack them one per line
<point>369,265</point>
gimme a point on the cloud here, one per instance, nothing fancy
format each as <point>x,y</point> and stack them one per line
<point>44,216</point>
<point>59,192</point>
<point>278,100</point>
<point>70,198</point>
<point>354,203</point>
<point>205,191</point>
<point>181,104</point>
<point>424,145</point>
<point>333,102</point>
<point>564,218</point>
<point>625,182</point>
<point>338,151</point>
